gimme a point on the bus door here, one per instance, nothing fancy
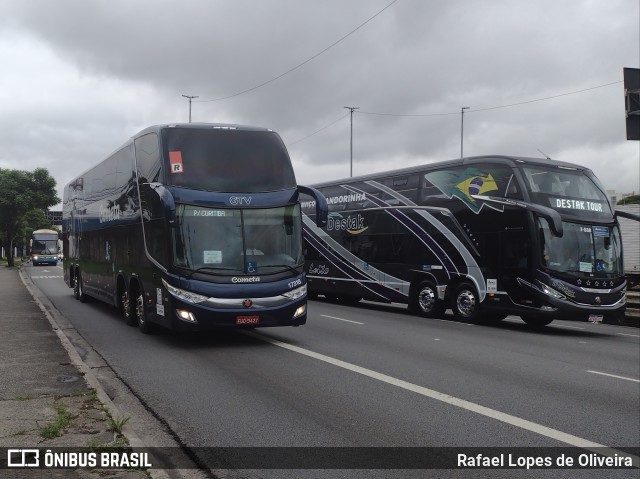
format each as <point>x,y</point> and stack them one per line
<point>516,261</point>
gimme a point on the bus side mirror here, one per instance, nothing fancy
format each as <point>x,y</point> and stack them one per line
<point>167,201</point>
<point>624,214</point>
<point>551,215</point>
<point>322,210</point>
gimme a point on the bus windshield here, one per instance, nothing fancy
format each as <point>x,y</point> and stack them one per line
<point>226,241</point>
<point>227,160</point>
<point>44,246</point>
<point>571,192</point>
<point>590,251</point>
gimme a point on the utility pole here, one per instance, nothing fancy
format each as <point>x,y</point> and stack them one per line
<point>351,108</point>
<point>462,129</point>
<point>189,98</point>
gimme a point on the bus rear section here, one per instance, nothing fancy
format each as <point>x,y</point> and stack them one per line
<point>44,247</point>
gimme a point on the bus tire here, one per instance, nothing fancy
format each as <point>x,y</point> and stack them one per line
<point>536,322</point>
<point>81,295</point>
<point>126,309</point>
<point>465,304</point>
<point>424,301</point>
<point>141,318</point>
<point>76,286</point>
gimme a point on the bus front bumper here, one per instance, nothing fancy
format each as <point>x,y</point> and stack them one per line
<point>44,260</point>
<point>289,309</point>
<point>189,317</point>
<point>555,304</point>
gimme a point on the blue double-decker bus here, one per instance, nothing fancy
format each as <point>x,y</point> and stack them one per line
<point>191,227</point>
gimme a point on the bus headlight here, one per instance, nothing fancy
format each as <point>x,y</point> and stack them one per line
<point>296,293</point>
<point>551,292</point>
<point>186,315</point>
<point>187,296</point>
<point>300,311</point>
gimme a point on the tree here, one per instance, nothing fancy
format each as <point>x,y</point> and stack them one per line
<point>630,200</point>
<point>21,192</point>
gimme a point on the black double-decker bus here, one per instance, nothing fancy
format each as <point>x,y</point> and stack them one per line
<point>190,227</point>
<point>485,236</point>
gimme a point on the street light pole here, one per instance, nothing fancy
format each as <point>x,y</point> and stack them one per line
<point>189,98</point>
<point>462,129</point>
<point>351,108</point>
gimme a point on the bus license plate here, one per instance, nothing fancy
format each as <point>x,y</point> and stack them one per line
<point>595,318</point>
<point>247,320</point>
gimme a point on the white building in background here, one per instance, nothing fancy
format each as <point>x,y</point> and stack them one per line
<point>615,196</point>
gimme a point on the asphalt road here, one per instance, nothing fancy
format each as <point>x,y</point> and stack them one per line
<point>373,375</point>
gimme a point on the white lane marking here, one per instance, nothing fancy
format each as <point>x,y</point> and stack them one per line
<point>568,327</point>
<point>454,401</point>
<point>615,376</point>
<point>340,319</point>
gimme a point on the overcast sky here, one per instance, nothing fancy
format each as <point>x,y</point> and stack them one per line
<point>77,78</point>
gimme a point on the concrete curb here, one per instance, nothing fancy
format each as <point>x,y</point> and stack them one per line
<point>57,324</point>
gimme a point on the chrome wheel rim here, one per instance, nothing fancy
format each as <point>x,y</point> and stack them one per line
<point>125,305</point>
<point>426,299</point>
<point>140,310</point>
<point>466,303</point>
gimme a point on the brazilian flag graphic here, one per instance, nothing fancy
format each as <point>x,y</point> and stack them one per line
<point>464,184</point>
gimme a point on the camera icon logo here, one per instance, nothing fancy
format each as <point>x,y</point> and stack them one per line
<point>23,458</point>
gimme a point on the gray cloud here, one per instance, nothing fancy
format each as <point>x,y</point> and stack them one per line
<point>83,76</point>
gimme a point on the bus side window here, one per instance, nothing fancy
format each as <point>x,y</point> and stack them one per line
<point>148,158</point>
<point>512,190</point>
<point>149,170</point>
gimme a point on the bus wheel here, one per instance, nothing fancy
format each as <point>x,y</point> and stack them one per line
<point>145,326</point>
<point>80,294</point>
<point>76,287</point>
<point>464,303</point>
<point>424,301</point>
<point>125,306</point>
<point>536,322</point>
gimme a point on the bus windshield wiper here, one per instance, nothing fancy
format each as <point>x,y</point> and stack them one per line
<point>210,268</point>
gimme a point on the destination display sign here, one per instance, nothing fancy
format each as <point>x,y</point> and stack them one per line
<point>583,205</point>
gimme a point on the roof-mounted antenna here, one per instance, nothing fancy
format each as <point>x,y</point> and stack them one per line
<point>544,154</point>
